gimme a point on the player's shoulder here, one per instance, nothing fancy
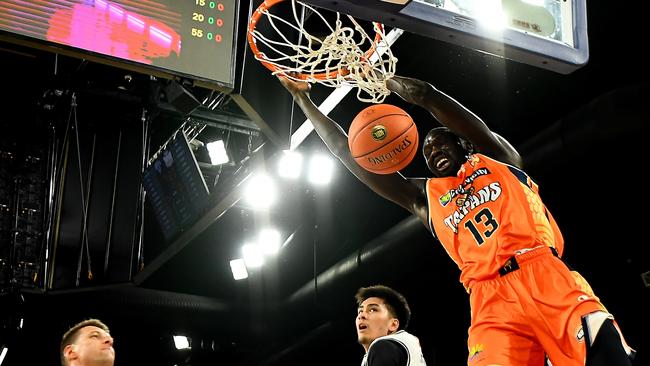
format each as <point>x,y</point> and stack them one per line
<point>387,349</point>
<point>419,182</point>
<point>478,160</point>
<point>386,343</point>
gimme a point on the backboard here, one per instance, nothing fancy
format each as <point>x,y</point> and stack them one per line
<point>550,34</point>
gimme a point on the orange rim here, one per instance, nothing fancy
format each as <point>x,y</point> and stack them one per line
<point>261,57</point>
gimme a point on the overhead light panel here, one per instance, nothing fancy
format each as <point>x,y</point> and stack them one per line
<point>252,254</point>
<point>260,191</point>
<point>3,354</point>
<point>290,164</point>
<point>217,152</point>
<point>491,15</point>
<point>534,2</point>
<point>269,241</point>
<point>181,342</point>
<point>238,268</point>
<point>321,168</point>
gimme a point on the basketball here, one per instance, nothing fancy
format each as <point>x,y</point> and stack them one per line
<point>383,138</point>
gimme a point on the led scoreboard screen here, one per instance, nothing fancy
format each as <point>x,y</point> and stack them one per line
<point>188,38</point>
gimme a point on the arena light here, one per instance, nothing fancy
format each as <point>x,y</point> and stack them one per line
<point>290,164</point>
<point>217,152</point>
<point>260,191</point>
<point>321,168</point>
<point>181,342</point>
<point>269,241</point>
<point>252,254</point>
<point>238,268</point>
<point>490,14</point>
<point>3,354</point>
<point>534,2</point>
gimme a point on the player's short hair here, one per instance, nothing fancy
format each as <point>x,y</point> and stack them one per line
<point>395,302</point>
<point>468,146</point>
<point>70,337</point>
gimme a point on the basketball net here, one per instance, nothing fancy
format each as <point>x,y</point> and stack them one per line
<point>335,60</point>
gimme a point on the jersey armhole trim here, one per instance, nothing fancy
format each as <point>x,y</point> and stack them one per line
<point>429,221</point>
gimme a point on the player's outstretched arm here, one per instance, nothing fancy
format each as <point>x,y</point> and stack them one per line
<point>393,187</point>
<point>455,116</point>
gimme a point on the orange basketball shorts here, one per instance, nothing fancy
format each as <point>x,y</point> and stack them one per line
<point>534,310</point>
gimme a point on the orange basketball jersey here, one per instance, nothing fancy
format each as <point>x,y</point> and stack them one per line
<point>487,213</point>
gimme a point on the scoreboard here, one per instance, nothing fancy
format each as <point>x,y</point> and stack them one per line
<point>187,38</point>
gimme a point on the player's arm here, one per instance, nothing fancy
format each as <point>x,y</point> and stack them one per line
<point>456,117</point>
<point>394,187</point>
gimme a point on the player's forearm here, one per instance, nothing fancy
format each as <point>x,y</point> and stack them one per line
<point>387,186</point>
<point>329,131</point>
<point>444,108</point>
<point>455,116</point>
<point>409,89</point>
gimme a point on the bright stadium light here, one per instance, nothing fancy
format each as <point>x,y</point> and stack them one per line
<point>181,342</point>
<point>260,191</point>
<point>238,268</point>
<point>321,168</point>
<point>217,152</point>
<point>3,354</point>
<point>252,254</point>
<point>290,164</point>
<point>269,241</point>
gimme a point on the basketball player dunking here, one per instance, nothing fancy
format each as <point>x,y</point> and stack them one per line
<point>489,217</point>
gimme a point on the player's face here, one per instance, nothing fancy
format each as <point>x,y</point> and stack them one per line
<point>374,321</point>
<point>94,346</point>
<point>443,153</point>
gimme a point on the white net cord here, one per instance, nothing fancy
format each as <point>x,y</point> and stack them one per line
<point>335,60</point>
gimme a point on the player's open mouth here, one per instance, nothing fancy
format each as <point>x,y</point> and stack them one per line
<point>442,163</point>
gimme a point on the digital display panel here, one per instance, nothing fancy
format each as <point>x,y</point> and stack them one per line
<point>175,187</point>
<point>188,38</point>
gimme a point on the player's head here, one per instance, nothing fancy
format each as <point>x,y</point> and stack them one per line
<point>381,311</point>
<point>445,152</point>
<point>87,343</point>
<point>394,301</point>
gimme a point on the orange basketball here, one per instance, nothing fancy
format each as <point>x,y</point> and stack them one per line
<point>383,138</point>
